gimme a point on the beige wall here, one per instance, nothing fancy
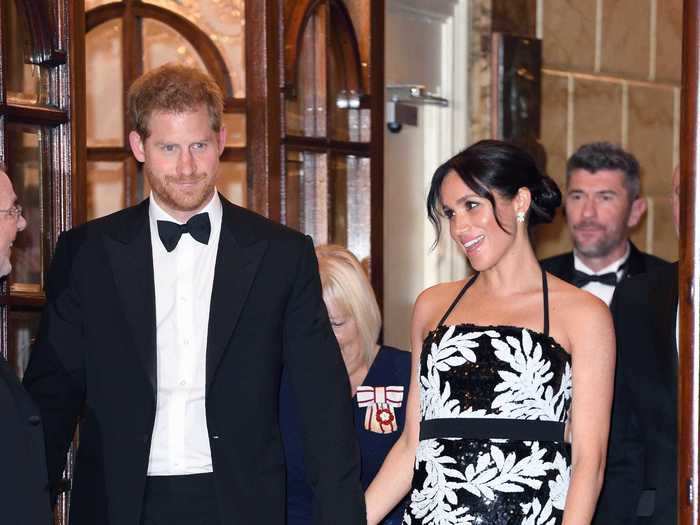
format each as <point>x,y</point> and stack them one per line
<point>612,72</point>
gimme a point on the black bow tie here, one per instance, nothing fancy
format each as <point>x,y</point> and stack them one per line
<point>581,279</point>
<point>198,227</point>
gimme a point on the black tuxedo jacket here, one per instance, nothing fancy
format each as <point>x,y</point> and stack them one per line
<point>640,480</point>
<point>24,484</point>
<point>95,360</point>
<point>639,262</point>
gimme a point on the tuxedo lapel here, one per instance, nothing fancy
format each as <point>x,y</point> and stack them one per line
<point>237,262</point>
<point>131,257</point>
<point>567,269</point>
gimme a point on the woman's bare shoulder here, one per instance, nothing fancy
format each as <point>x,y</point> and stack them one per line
<point>434,301</point>
<point>575,308</point>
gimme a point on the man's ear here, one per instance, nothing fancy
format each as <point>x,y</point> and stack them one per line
<point>222,139</point>
<point>137,146</point>
<point>637,210</point>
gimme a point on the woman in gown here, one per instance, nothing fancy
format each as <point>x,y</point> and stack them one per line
<point>507,366</point>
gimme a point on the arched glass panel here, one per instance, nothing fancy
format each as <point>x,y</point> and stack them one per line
<point>223,22</point>
<point>90,4</point>
<point>103,73</point>
<point>162,44</point>
<point>306,109</point>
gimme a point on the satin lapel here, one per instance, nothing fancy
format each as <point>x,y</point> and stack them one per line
<point>567,271</point>
<point>236,266</point>
<point>664,298</point>
<point>129,250</point>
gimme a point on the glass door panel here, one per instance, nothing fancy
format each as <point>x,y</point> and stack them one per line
<point>232,182</point>
<point>307,194</point>
<point>24,324</point>
<point>306,107</point>
<point>235,129</point>
<point>24,154</point>
<point>105,188</point>
<point>104,86</point>
<point>224,22</point>
<point>162,44</point>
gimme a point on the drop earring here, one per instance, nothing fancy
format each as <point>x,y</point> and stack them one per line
<point>520,217</point>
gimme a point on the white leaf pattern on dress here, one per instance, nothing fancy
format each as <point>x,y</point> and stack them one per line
<point>524,392</point>
<point>434,502</point>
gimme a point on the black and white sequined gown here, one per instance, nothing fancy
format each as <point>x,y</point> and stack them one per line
<point>494,400</point>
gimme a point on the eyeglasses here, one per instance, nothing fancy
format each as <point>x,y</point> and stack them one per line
<point>14,211</point>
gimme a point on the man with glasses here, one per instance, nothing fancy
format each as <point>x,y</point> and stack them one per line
<point>24,495</point>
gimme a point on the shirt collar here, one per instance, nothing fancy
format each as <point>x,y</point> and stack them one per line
<point>615,266</point>
<point>213,208</point>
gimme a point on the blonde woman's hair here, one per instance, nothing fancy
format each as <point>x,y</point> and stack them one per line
<point>345,282</point>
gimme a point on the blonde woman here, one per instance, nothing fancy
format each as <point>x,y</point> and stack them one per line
<point>378,375</point>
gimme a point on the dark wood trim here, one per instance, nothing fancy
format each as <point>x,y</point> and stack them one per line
<point>76,43</point>
<point>377,27</point>
<point>108,154</point>
<point>234,154</point>
<point>208,51</point>
<point>263,121</point>
<point>234,105</point>
<point>37,115</point>
<point>324,145</point>
<point>42,27</point>
<point>689,276</point>
<point>21,299</point>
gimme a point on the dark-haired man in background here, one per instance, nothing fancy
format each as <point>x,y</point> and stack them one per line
<point>640,474</point>
<point>602,204</point>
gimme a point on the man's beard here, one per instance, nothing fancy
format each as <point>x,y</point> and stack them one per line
<point>604,246</point>
<point>170,197</point>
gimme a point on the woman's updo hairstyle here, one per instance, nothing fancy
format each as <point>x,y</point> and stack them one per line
<point>494,165</point>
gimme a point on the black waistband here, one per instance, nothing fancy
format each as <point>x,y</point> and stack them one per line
<point>492,428</point>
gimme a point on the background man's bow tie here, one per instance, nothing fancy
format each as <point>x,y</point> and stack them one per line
<point>582,279</point>
<point>198,227</point>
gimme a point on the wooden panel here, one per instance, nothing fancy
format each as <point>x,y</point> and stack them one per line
<point>689,282</point>
<point>263,107</point>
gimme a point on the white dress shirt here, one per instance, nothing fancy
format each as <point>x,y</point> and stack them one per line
<point>603,291</point>
<point>183,286</point>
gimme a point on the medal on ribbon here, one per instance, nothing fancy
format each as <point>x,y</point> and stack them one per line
<point>380,403</point>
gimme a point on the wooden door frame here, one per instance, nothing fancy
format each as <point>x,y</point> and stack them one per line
<point>689,276</point>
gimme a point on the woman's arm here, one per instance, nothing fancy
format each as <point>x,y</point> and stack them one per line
<point>393,481</point>
<point>592,340</point>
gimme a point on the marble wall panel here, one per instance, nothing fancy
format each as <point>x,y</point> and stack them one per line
<point>552,239</point>
<point>669,32</point>
<point>554,118</point>
<point>514,16</point>
<point>650,135</point>
<point>664,240</point>
<point>568,34</point>
<point>597,111</point>
<point>625,38</point>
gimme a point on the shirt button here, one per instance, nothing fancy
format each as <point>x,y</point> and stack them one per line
<point>183,383</point>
